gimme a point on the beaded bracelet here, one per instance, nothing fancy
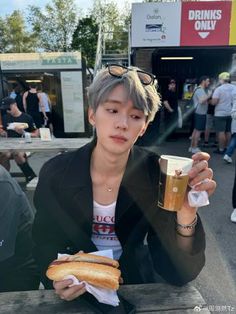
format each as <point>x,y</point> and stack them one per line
<point>188,226</point>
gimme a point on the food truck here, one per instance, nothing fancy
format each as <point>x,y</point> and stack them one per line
<point>184,40</point>
<point>62,75</point>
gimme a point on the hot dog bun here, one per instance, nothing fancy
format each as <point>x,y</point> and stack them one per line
<point>91,258</point>
<point>21,125</point>
<point>17,125</point>
<point>102,276</point>
<point>87,267</point>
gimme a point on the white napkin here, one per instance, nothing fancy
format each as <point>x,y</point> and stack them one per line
<point>106,296</point>
<point>198,198</point>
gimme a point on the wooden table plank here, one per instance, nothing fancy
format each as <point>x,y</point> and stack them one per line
<point>37,145</point>
<point>151,298</point>
<point>167,297</point>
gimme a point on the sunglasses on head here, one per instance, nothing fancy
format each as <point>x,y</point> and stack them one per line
<point>118,71</point>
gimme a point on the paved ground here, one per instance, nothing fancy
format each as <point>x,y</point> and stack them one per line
<point>217,281</point>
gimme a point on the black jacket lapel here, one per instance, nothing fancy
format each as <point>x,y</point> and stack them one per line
<point>75,194</point>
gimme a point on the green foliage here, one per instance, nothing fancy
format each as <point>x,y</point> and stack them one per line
<point>85,39</point>
<point>54,25</point>
<point>13,34</point>
<point>114,23</point>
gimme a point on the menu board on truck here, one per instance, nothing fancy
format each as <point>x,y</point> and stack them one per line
<point>72,99</point>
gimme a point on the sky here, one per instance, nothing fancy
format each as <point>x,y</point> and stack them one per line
<point>8,6</point>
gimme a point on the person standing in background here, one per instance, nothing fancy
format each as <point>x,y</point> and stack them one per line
<point>222,99</point>
<point>46,102</point>
<point>232,145</point>
<point>32,103</point>
<point>189,92</point>
<point>13,92</point>
<point>200,99</point>
<point>209,123</point>
<point>170,102</point>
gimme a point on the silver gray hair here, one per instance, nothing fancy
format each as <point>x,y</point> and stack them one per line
<point>144,97</point>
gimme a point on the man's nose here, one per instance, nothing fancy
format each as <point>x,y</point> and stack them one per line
<point>122,122</point>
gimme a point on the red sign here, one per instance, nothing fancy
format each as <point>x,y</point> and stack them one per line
<point>205,23</point>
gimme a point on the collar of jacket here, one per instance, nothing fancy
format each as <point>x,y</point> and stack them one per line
<point>76,181</point>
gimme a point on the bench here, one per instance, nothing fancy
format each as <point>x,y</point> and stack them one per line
<point>147,298</point>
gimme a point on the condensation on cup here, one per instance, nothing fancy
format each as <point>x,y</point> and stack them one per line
<point>27,136</point>
<point>173,181</point>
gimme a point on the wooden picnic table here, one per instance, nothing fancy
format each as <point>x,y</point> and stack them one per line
<point>37,145</point>
<point>148,298</point>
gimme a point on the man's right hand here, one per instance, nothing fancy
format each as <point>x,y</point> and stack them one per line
<point>3,133</point>
<point>19,130</point>
<point>65,292</point>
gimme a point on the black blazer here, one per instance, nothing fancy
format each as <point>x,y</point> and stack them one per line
<point>63,221</point>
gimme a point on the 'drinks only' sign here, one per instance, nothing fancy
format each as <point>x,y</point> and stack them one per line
<point>201,23</point>
<point>205,23</point>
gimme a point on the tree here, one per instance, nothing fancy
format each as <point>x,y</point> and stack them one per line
<point>106,13</point>
<point>13,34</point>
<point>85,39</point>
<point>3,35</point>
<point>54,25</point>
<point>113,23</point>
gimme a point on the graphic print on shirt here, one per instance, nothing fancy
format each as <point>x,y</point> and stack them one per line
<point>104,227</point>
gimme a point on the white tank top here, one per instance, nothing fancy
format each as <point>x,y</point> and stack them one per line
<point>103,235</point>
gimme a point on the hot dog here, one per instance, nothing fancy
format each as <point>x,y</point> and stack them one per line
<point>20,125</point>
<point>99,271</point>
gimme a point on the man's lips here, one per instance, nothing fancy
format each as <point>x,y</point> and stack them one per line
<point>119,138</point>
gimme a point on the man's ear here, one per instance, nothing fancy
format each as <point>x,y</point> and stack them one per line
<point>91,116</point>
<point>144,129</point>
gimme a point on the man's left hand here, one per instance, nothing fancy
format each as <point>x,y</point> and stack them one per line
<point>197,176</point>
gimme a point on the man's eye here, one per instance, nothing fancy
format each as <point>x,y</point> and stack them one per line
<point>134,116</point>
<point>112,110</point>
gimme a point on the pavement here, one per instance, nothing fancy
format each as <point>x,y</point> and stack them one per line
<point>217,281</point>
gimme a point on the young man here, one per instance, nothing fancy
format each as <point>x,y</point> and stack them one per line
<point>18,270</point>
<point>200,99</point>
<point>48,109</point>
<point>232,144</point>
<point>33,104</point>
<point>222,99</point>
<point>170,102</point>
<point>104,195</point>
<point>13,114</point>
